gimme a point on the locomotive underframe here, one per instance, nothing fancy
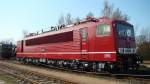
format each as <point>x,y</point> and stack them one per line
<point>124,63</point>
<point>129,61</point>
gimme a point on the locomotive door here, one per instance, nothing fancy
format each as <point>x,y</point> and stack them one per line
<point>84,43</point>
<point>22,43</point>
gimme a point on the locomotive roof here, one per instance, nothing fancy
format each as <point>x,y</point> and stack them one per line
<point>75,26</point>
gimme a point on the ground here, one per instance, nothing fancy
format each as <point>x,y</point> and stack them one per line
<point>6,79</point>
<point>73,77</point>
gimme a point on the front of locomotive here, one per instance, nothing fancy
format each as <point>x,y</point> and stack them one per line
<point>127,59</point>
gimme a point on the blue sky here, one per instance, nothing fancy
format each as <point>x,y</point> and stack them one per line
<point>34,15</point>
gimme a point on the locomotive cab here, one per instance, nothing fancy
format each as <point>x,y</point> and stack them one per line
<point>125,46</point>
<point>115,45</point>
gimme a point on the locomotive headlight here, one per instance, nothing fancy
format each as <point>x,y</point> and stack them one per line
<point>121,50</point>
<point>133,50</point>
<point>86,65</point>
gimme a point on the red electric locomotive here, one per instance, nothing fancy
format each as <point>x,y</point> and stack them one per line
<point>95,44</point>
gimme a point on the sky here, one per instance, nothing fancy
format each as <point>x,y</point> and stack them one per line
<point>17,16</point>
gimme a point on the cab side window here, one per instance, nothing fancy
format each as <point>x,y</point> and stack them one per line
<point>103,30</point>
<point>84,34</point>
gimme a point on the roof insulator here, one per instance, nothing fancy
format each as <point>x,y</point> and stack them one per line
<point>88,18</point>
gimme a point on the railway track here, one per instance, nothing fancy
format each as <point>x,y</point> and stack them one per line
<point>136,75</point>
<point>145,78</point>
<point>31,77</point>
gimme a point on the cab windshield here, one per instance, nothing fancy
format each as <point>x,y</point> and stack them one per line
<point>125,30</point>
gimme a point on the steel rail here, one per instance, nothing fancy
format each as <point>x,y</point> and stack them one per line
<point>29,76</point>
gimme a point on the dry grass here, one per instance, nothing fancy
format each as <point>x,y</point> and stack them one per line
<point>7,79</point>
<point>146,62</point>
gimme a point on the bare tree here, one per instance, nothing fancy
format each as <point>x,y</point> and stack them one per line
<point>7,41</point>
<point>25,33</point>
<point>146,32</point>
<point>140,39</point>
<point>61,20</point>
<point>90,14</point>
<point>144,43</point>
<point>126,17</point>
<point>143,50</point>
<point>68,19</point>
<point>77,19</point>
<point>109,12</point>
<point>117,14</point>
